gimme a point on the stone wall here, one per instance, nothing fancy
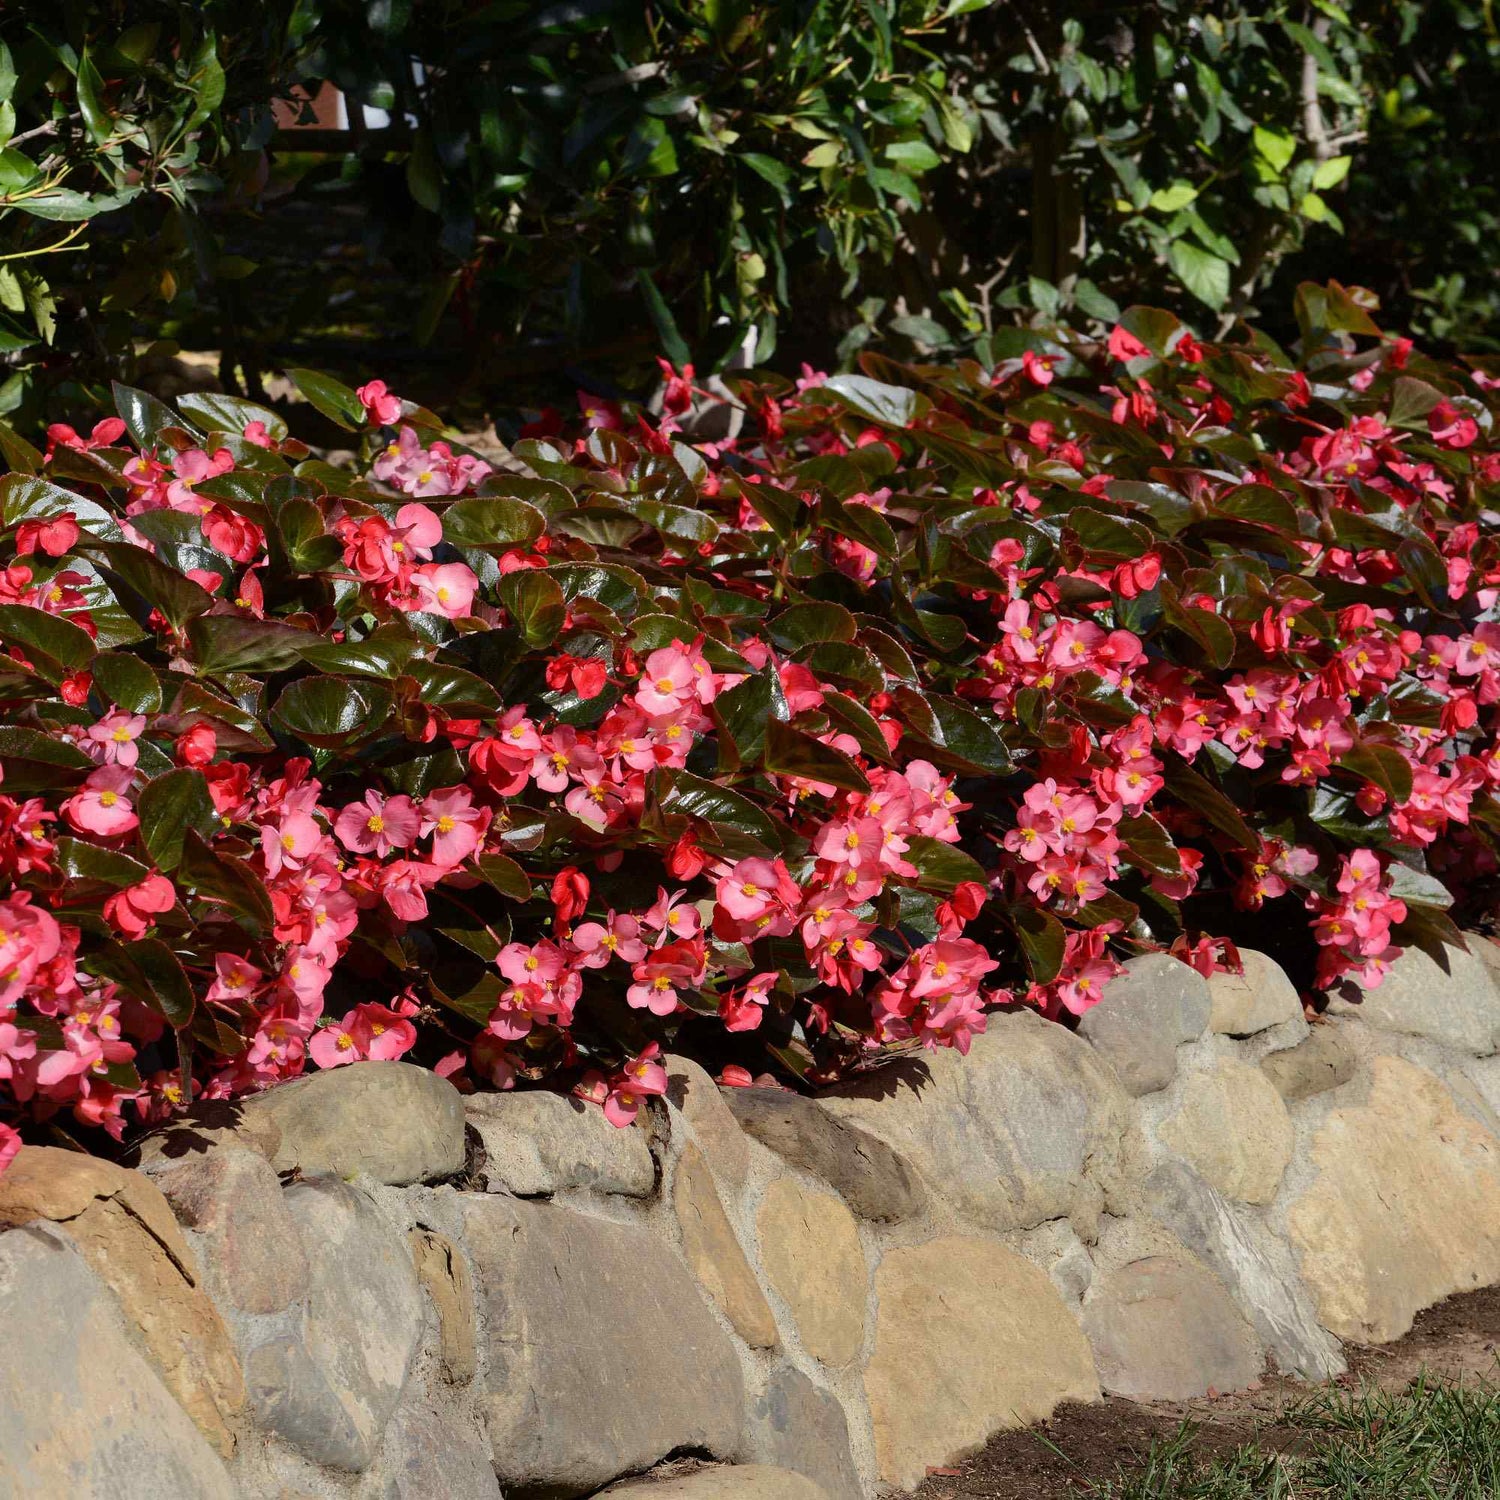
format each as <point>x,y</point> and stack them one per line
<point>364,1285</point>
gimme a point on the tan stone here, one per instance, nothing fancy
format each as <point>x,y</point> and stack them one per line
<point>809,1247</point>
<point>443,1271</point>
<point>1163,1328</point>
<point>1323,1061</point>
<point>537,1142</point>
<point>1258,998</point>
<point>714,1254</point>
<point>1032,1125</point>
<point>1232,1126</point>
<point>970,1338</point>
<point>739,1482</point>
<point>1455,1002</point>
<point>124,1229</point>
<point>1405,1207</point>
<point>697,1097</point>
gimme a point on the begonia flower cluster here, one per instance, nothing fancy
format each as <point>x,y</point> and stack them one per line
<point>937,691</point>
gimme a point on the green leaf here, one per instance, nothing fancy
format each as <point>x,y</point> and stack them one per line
<point>17,452</point>
<point>1210,803</point>
<point>673,345</point>
<point>331,397</point>
<point>168,808</point>
<point>744,713</point>
<point>505,875</point>
<point>327,712</point>
<point>790,752</point>
<point>886,405</point>
<point>965,740</point>
<point>1276,147</point>
<point>1169,199</point>
<point>144,415</point>
<point>66,643</point>
<point>941,867</point>
<point>240,643</point>
<point>126,681</point>
<point>151,972</point>
<point>1204,274</point>
<point>1387,768</point>
<point>218,413</point>
<point>804,624</point>
<point>151,581</point>
<point>208,873</point>
<point>1417,886</point>
<point>1043,940</point>
<point>715,805</point>
<point>78,860</point>
<point>492,523</point>
<point>1330,173</point>
<point>535,603</point>
<point>35,762</point>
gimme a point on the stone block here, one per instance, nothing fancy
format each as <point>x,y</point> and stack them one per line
<point>1404,1208</point>
<point>1232,1128</point>
<point>796,1425</point>
<point>871,1178</point>
<point>1031,1126</point>
<point>536,1143</point>
<point>1165,1329</point>
<point>713,1251</point>
<point>1322,1062</point>
<point>970,1338</point>
<point>82,1413</point>
<point>329,1387</point>
<point>124,1229</point>
<point>1144,1015</point>
<point>1455,1003</point>
<point>1257,1268</point>
<point>1255,1000</point>
<point>809,1247</point>
<point>603,1357</point>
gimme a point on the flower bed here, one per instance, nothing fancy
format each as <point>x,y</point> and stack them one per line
<point>946,690</point>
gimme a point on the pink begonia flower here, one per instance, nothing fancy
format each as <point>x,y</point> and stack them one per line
<point>455,824</point>
<point>111,741</point>
<point>335,1044</point>
<point>235,979</point>
<point>192,466</point>
<point>446,589</point>
<point>377,825</point>
<point>53,536</point>
<point>381,1033</point>
<point>289,843</point>
<point>617,936</point>
<point>132,910</point>
<point>379,403</point>
<point>10,1145</point>
<point>102,807</point>
<point>640,1079</point>
<point>29,939</point>
<point>404,884</point>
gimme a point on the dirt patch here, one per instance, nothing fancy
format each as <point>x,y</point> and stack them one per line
<point>1081,1447</point>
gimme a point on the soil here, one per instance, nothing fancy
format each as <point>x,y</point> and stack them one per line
<point>1080,1447</point>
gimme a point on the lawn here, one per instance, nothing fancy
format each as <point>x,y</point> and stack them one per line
<point>1435,1440</point>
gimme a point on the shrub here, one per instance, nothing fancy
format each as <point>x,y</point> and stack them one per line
<point>948,689</point>
<point>581,185</point>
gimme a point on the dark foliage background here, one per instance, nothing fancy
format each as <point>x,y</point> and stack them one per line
<point>551,194</point>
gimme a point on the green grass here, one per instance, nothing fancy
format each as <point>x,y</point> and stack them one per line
<point>1432,1441</point>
